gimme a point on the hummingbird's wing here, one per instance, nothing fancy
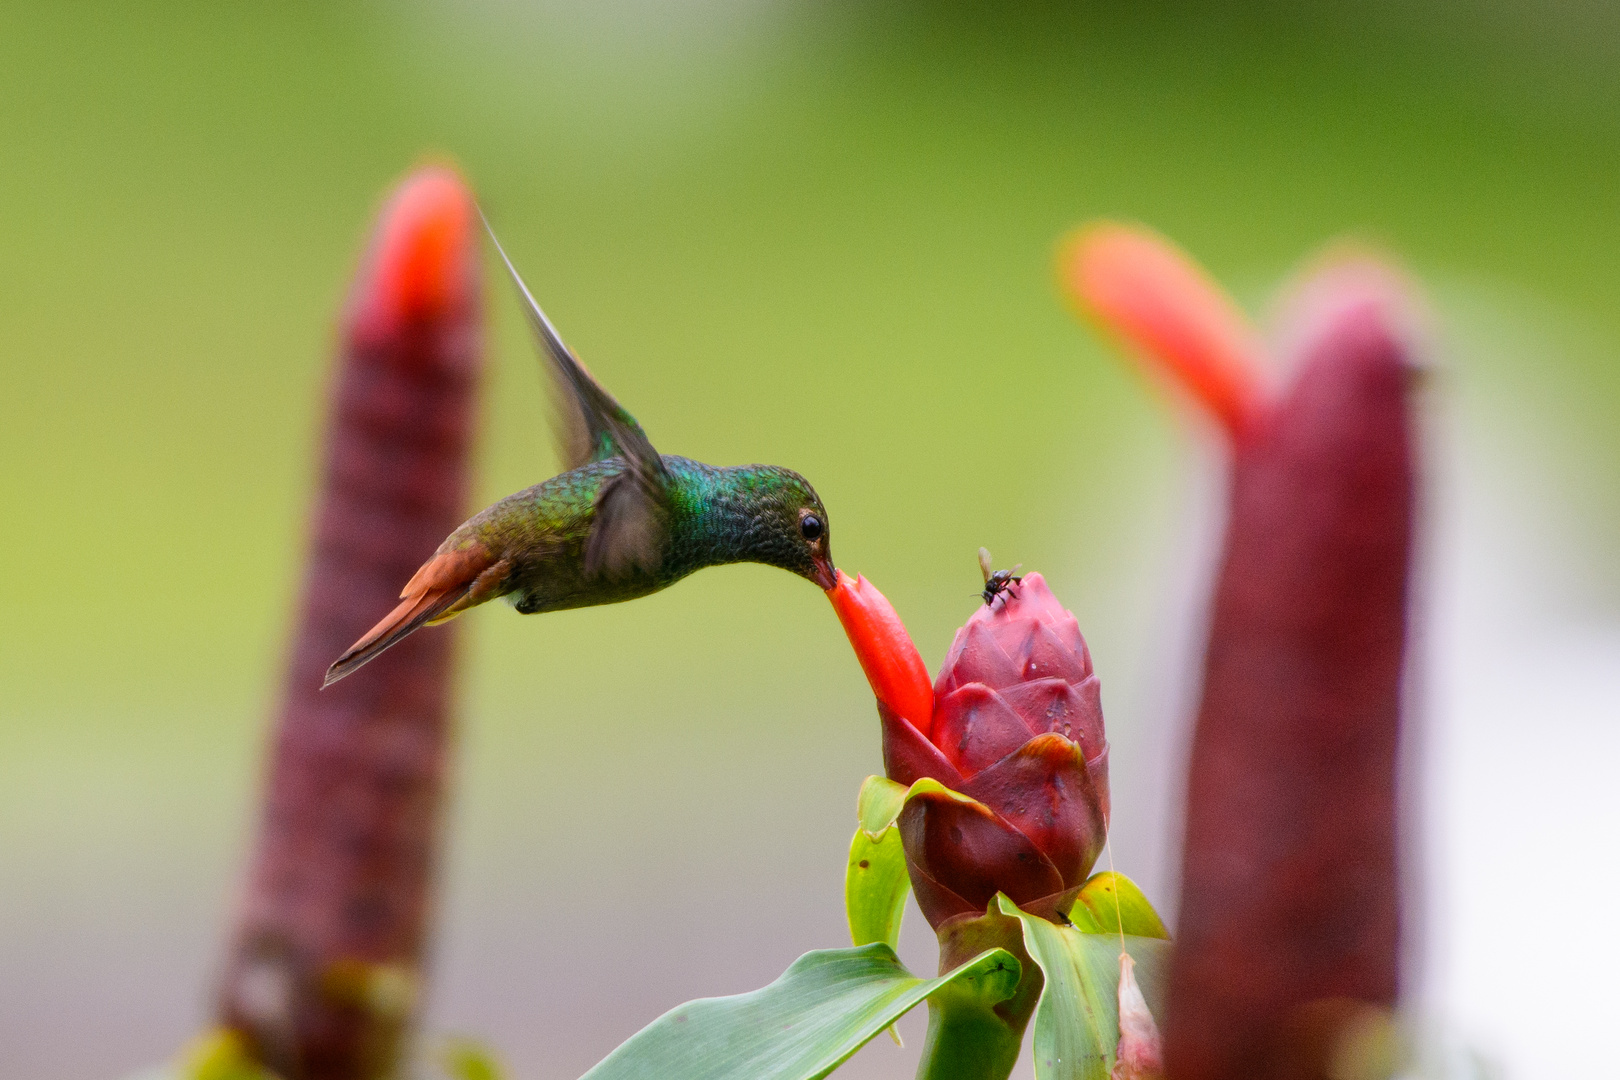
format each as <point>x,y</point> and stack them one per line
<point>631,509</point>
<point>628,530</point>
<point>596,426</point>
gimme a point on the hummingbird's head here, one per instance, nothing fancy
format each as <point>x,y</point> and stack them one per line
<point>790,526</point>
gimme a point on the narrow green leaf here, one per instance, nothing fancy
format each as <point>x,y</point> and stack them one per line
<point>1108,899</point>
<point>826,1006</point>
<point>875,887</point>
<point>875,881</point>
<point>1077,1019</point>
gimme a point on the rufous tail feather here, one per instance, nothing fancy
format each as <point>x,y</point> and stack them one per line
<point>411,614</point>
<point>445,586</point>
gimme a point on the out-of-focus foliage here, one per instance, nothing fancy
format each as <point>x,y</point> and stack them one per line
<point>217,1054</point>
<point>469,1059</point>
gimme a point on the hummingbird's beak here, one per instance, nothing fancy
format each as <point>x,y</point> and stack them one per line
<point>826,573</point>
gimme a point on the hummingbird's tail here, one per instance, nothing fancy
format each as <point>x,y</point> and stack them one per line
<point>445,586</point>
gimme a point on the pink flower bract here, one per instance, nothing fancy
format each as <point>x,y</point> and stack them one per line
<point>1016,723</point>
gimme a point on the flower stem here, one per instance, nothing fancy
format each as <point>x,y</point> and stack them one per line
<point>967,1040</point>
<point>970,1038</point>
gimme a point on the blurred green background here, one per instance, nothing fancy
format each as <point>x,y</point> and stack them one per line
<point>813,234</point>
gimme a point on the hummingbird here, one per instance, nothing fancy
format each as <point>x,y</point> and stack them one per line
<point>621,522</point>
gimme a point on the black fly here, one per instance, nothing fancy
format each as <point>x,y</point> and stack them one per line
<point>996,582</point>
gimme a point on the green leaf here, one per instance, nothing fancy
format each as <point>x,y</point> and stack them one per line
<point>826,1006</point>
<point>881,800</point>
<point>1077,1018</point>
<point>875,881</point>
<point>1109,899</point>
<point>875,888</point>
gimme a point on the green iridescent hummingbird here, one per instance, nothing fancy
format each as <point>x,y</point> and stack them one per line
<point>623,521</point>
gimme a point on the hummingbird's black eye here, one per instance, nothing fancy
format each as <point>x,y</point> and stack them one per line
<point>811,527</point>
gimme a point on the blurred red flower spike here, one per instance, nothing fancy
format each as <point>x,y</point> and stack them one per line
<point>339,891</point>
<point>892,665</point>
<point>1142,288</point>
<point>1290,889</point>
<point>419,266</point>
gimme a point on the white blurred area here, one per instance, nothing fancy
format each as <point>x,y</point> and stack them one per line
<point>1525,826</point>
<point>1522,831</point>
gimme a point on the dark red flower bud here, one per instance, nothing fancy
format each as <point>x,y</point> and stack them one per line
<point>1017,725</point>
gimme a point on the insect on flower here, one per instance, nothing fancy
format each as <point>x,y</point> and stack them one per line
<point>997,582</point>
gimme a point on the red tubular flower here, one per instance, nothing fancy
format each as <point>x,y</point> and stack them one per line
<point>334,916</point>
<point>1015,723</point>
<point>1140,287</point>
<point>884,649</point>
<point>1289,923</point>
